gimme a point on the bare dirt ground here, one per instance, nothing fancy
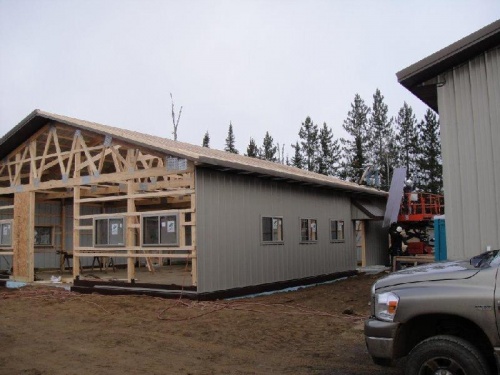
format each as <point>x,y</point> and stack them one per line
<point>315,330</point>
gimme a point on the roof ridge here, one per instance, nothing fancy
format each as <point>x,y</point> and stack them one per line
<point>199,154</point>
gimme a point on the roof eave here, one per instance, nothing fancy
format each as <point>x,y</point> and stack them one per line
<point>416,77</point>
<point>341,185</point>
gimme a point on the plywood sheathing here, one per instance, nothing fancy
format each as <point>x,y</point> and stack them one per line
<point>23,236</point>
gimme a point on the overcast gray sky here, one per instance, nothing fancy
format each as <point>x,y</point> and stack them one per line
<point>263,65</point>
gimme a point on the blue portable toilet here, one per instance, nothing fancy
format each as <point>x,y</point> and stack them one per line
<point>440,252</point>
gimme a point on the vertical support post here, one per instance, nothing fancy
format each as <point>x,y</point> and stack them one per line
<point>194,259</point>
<point>182,229</point>
<point>130,238</point>
<point>363,242</point>
<point>63,234</point>
<point>76,218</point>
<point>76,231</point>
<point>24,237</point>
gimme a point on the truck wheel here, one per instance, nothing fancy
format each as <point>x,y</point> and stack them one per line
<point>447,355</point>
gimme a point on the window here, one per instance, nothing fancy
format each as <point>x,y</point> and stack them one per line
<point>43,236</point>
<point>272,229</point>
<point>108,232</point>
<point>337,231</point>
<point>160,230</point>
<point>308,230</point>
<point>6,233</point>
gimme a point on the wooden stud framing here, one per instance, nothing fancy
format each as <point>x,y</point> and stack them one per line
<point>63,235</point>
<point>76,220</point>
<point>130,235</point>
<point>60,162</point>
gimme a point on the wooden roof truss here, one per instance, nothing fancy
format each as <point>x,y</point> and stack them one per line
<point>65,162</point>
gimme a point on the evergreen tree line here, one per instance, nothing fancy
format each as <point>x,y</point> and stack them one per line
<point>388,142</point>
<point>374,140</point>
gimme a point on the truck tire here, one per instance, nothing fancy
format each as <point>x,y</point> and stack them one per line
<point>448,353</point>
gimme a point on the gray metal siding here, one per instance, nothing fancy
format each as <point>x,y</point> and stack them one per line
<point>377,243</point>
<point>469,106</point>
<point>48,214</point>
<point>86,236</point>
<point>376,237</point>
<point>230,253</point>
<point>6,260</point>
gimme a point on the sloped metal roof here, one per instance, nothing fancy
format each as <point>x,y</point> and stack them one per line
<point>201,156</point>
<point>416,77</point>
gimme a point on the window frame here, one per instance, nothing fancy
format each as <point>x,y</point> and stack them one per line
<point>159,215</point>
<point>337,240</point>
<point>273,241</point>
<point>2,224</point>
<point>51,236</point>
<point>108,230</point>
<point>310,231</point>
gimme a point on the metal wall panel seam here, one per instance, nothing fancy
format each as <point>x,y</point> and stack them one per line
<point>451,169</point>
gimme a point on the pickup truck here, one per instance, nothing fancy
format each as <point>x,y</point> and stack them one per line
<point>443,317</point>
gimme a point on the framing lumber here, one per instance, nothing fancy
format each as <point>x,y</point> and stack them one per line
<point>130,235</point>
<point>61,162</point>
<point>168,193</point>
<point>23,236</point>
<point>58,149</point>
<point>76,220</point>
<point>63,236</point>
<point>79,181</point>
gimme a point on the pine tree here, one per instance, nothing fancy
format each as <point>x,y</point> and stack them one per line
<point>329,152</point>
<point>297,159</point>
<point>380,150</point>
<point>430,168</point>
<point>230,140</point>
<point>355,148</point>
<point>206,140</point>
<point>406,140</point>
<point>268,150</point>
<point>309,144</point>
<point>252,149</point>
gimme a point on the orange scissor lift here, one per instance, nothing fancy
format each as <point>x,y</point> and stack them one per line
<point>416,216</point>
<point>418,207</point>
